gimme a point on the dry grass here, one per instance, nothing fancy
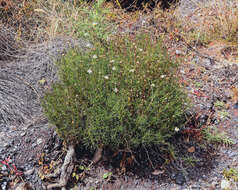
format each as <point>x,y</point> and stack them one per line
<point>214,19</point>
<point>60,17</point>
<point>41,20</point>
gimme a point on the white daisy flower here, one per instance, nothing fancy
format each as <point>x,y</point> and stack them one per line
<point>112,61</point>
<point>89,71</point>
<point>106,77</point>
<point>95,56</point>
<point>152,85</point>
<point>132,70</point>
<point>162,76</point>
<point>176,129</point>
<point>115,90</point>
<point>114,68</point>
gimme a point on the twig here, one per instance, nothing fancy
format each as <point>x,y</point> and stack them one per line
<point>148,157</point>
<point>98,155</point>
<point>66,169</point>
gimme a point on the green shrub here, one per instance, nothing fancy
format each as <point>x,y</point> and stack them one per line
<point>122,95</point>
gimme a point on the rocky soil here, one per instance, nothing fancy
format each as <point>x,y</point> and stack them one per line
<point>28,146</point>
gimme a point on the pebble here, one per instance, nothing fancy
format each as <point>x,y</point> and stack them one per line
<point>39,141</point>
<point>235,119</point>
<point>24,186</point>
<point>180,179</point>
<point>29,172</point>
<point>235,106</point>
<point>228,93</point>
<point>173,188</point>
<point>225,184</point>
<point>178,52</point>
<point>4,185</point>
<point>23,134</point>
<point>7,145</point>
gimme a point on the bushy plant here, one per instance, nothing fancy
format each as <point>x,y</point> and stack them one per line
<point>122,95</point>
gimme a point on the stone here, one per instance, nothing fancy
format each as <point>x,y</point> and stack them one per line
<point>23,134</point>
<point>180,179</point>
<point>228,93</point>
<point>178,52</point>
<point>235,106</point>
<point>29,172</point>
<point>173,188</point>
<point>28,140</point>
<point>39,141</point>
<point>4,185</point>
<point>24,186</point>
<point>225,184</point>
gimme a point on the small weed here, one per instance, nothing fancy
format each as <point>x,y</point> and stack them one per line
<point>231,173</point>
<point>107,175</point>
<point>223,114</point>
<point>219,105</point>
<point>190,161</point>
<point>213,136</point>
<point>198,84</point>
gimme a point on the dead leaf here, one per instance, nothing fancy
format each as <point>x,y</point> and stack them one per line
<point>191,149</point>
<point>234,94</point>
<point>157,172</point>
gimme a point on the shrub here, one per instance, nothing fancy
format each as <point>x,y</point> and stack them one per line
<point>122,95</point>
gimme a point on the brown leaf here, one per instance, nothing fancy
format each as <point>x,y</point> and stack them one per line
<point>234,94</point>
<point>157,172</point>
<point>191,149</point>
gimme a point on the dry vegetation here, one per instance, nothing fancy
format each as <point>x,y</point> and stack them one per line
<point>213,20</point>
<point>216,19</point>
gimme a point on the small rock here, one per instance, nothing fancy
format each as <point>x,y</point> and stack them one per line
<point>28,140</point>
<point>23,134</point>
<point>235,106</point>
<point>157,172</point>
<point>180,179</point>
<point>228,93</point>
<point>225,184</point>
<point>4,185</point>
<point>29,172</point>
<point>203,119</point>
<point>39,141</point>
<point>178,52</point>
<point>7,145</point>
<point>24,186</point>
<point>173,188</point>
<point>182,71</point>
<point>212,187</point>
<point>236,119</point>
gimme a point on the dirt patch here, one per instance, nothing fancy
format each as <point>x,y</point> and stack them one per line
<point>25,73</point>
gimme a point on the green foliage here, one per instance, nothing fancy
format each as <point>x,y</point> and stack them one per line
<point>231,173</point>
<point>219,104</point>
<point>122,95</point>
<point>91,22</point>
<point>213,136</point>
